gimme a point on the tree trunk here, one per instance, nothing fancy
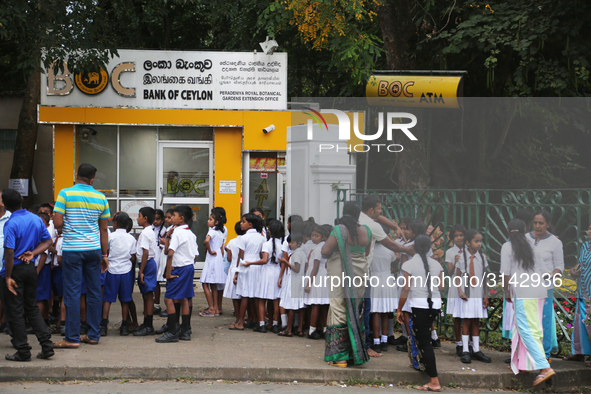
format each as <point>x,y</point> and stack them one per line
<point>26,138</point>
<point>396,24</point>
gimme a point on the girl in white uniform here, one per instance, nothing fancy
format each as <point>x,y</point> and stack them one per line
<point>269,285</point>
<point>452,256</point>
<point>248,276</point>
<point>316,289</point>
<point>232,251</point>
<point>384,295</point>
<point>213,270</point>
<point>473,294</point>
<point>293,295</point>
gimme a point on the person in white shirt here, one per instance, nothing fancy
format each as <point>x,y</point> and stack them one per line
<point>119,278</point>
<point>232,251</point>
<point>146,280</point>
<point>180,269</point>
<point>422,292</point>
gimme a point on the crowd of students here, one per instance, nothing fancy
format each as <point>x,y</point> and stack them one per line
<point>278,283</point>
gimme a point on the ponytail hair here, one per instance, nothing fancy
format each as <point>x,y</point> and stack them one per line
<point>218,217</point>
<point>422,245</point>
<point>276,231</point>
<point>522,251</point>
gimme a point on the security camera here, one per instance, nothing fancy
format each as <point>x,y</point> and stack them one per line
<point>268,129</point>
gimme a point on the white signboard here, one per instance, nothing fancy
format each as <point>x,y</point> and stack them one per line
<point>175,79</point>
<point>227,187</point>
<point>132,208</point>
<point>20,185</point>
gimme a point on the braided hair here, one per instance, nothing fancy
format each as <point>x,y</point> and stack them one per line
<point>276,230</point>
<point>422,246</point>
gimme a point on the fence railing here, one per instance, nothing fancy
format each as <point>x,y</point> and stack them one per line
<point>489,211</point>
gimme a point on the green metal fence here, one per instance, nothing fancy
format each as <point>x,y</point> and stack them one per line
<point>489,211</point>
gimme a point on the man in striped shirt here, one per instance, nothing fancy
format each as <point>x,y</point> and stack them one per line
<point>83,213</point>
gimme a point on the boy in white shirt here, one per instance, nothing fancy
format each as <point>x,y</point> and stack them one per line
<point>182,251</point>
<point>146,280</point>
<point>119,278</point>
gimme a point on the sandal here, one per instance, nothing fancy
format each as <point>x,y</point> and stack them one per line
<point>89,341</point>
<point>542,378</point>
<point>285,334</point>
<point>206,314</point>
<point>234,328</point>
<point>335,364</point>
<point>299,334</point>
<point>426,388</point>
<point>63,344</point>
<point>16,357</point>
<point>573,358</point>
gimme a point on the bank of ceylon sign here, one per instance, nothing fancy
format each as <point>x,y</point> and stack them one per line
<point>167,79</point>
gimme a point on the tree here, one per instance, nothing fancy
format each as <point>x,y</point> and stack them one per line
<point>46,32</point>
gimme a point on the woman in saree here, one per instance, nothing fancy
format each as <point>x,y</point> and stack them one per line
<point>580,344</point>
<point>522,265</point>
<point>346,250</point>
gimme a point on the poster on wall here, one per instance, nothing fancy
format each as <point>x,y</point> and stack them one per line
<point>132,207</point>
<point>174,79</point>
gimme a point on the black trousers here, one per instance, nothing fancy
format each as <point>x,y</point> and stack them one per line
<point>25,276</point>
<point>422,319</point>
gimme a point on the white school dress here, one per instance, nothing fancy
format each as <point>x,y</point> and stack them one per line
<point>222,286</point>
<point>268,289</point>
<point>452,294</point>
<point>293,293</point>
<point>319,291</point>
<point>213,269</point>
<point>383,291</point>
<point>249,277</point>
<point>161,258</point>
<point>230,288</point>
<point>472,308</point>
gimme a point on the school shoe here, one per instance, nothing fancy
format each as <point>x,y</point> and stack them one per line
<point>162,329</point>
<point>184,335</point>
<point>436,343</point>
<point>401,340</point>
<point>481,357</point>
<point>384,346</point>
<point>402,348</point>
<point>103,331</point>
<point>314,335</point>
<point>168,337</point>
<point>262,329</point>
<point>466,359</point>
<point>157,309</point>
<point>144,331</point>
<point>250,325</point>
<point>163,313</point>
<point>124,331</point>
<point>63,331</point>
<point>376,347</point>
<point>459,351</point>
<point>275,329</point>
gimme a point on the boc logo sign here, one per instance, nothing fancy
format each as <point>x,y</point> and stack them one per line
<point>92,82</point>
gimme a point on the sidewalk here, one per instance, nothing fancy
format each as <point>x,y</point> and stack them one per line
<point>215,352</point>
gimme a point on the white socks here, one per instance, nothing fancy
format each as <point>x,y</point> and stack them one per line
<point>465,340</point>
<point>274,322</point>
<point>476,344</point>
<point>384,339</point>
<point>376,341</point>
<point>434,335</point>
<point>390,327</point>
<point>261,323</point>
<point>459,343</point>
<point>284,320</point>
<point>312,329</point>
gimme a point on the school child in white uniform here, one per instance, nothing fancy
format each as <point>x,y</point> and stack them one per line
<point>248,276</point>
<point>316,289</point>
<point>146,280</point>
<point>213,270</point>
<point>159,229</point>
<point>269,286</point>
<point>232,251</point>
<point>180,269</point>
<point>221,286</point>
<point>472,304</point>
<point>384,295</point>
<point>163,241</point>
<point>452,256</point>
<point>293,296</point>
<point>43,264</point>
<point>119,278</point>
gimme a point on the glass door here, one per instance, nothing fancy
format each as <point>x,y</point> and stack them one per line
<point>185,177</point>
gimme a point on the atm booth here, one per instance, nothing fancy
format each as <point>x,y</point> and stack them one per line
<point>168,128</point>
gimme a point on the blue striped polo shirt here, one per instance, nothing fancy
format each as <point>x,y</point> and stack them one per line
<point>82,207</point>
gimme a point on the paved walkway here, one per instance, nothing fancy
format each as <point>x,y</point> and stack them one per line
<point>218,353</point>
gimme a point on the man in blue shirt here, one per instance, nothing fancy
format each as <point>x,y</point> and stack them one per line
<point>25,236</point>
<point>82,212</point>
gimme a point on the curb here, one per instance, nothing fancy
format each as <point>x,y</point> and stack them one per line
<point>464,379</point>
